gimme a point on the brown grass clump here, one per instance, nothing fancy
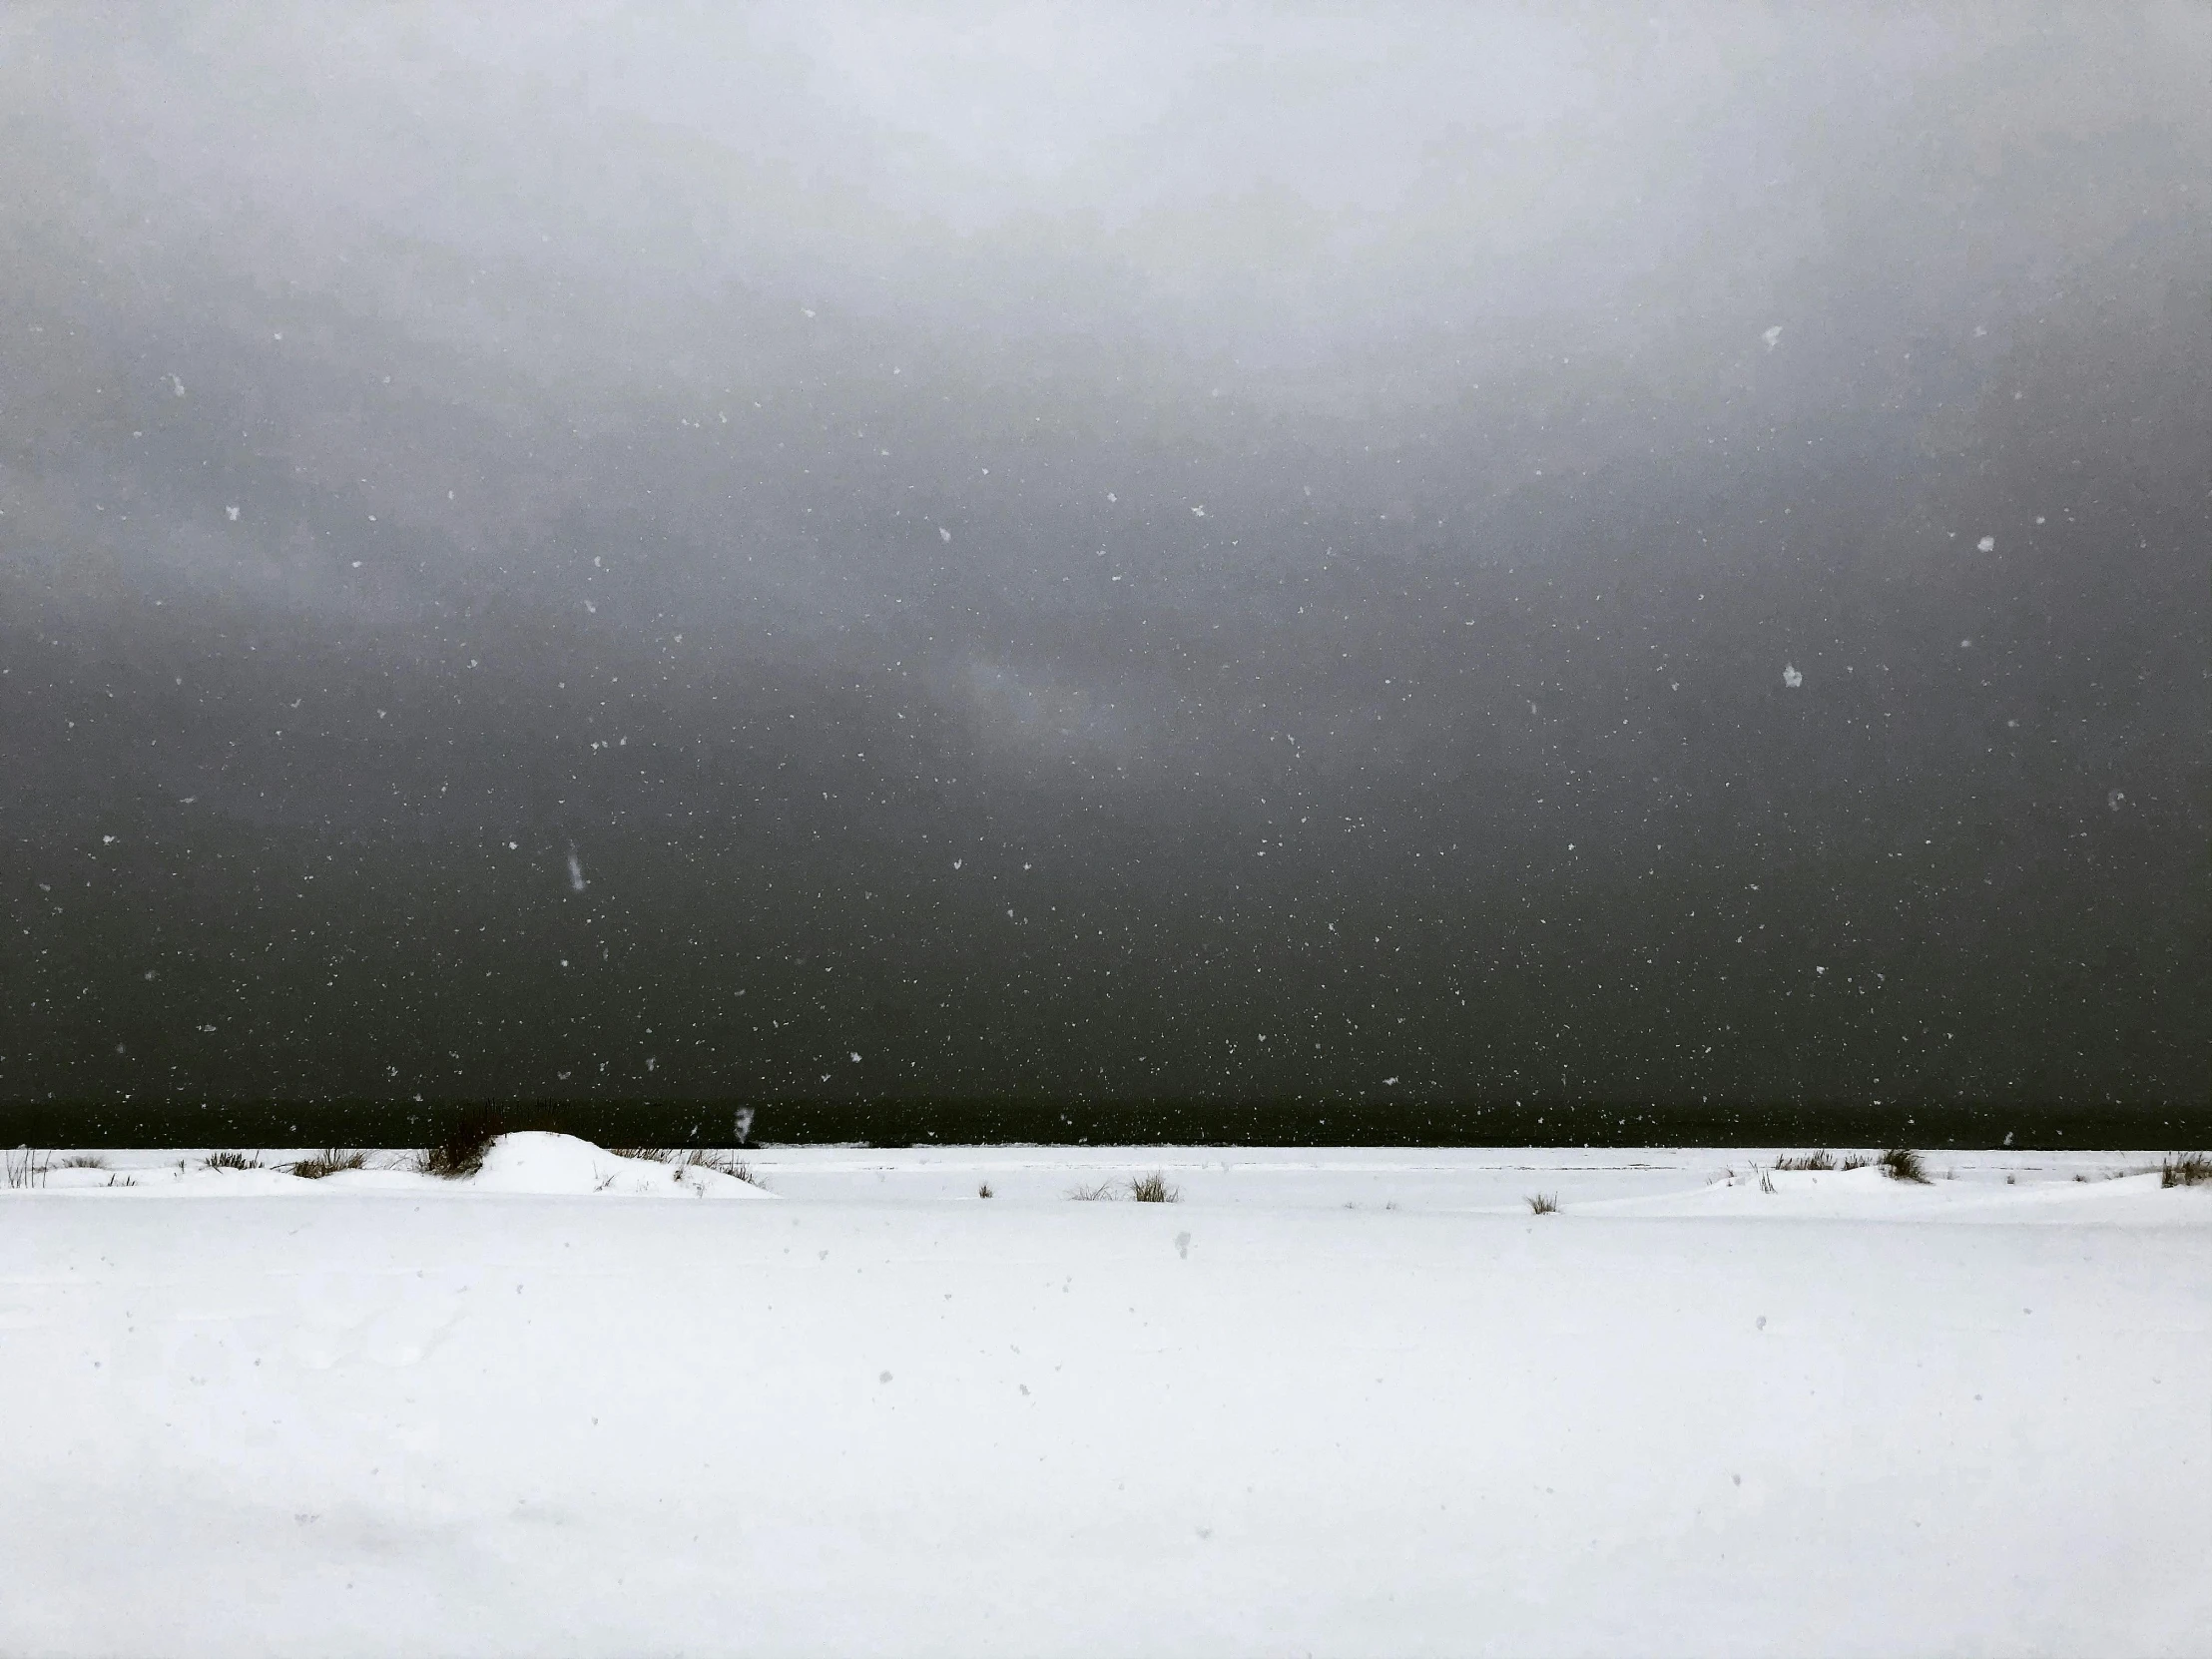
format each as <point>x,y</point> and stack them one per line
<point>724,1163</point>
<point>1902,1163</point>
<point>459,1152</point>
<point>327,1162</point>
<point>2185,1169</point>
<point>1806,1160</point>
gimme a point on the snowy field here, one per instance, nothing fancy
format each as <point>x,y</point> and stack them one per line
<point>1342,1403</point>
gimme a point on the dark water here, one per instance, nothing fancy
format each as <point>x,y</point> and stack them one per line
<point>1122,1123</point>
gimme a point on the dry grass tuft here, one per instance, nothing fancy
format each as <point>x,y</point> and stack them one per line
<point>82,1160</point>
<point>1544,1203</point>
<point>26,1165</point>
<point>695,1157</point>
<point>724,1163</point>
<point>327,1162</point>
<point>230,1160</point>
<point>2185,1169</point>
<point>1152,1189</point>
<point>459,1152</point>
<point>1103,1191</point>
<point>1902,1163</point>
<point>1806,1160</point>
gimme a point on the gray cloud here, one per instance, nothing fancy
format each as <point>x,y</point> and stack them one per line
<point>1275,473</point>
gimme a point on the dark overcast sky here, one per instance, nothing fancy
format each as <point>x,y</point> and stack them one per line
<point>1658,552</point>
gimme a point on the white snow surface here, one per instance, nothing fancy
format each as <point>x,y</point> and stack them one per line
<point>1330,1401</point>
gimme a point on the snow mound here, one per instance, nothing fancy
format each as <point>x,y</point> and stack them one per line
<point>537,1161</point>
<point>1868,1194</point>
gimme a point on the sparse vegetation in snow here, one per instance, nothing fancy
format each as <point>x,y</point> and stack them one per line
<point>723,1163</point>
<point>327,1162</point>
<point>2185,1169</point>
<point>1806,1161</point>
<point>693,1156</point>
<point>459,1152</point>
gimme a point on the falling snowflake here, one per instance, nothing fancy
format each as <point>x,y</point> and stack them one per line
<point>1791,677</point>
<point>1773,336</point>
<point>1988,544</point>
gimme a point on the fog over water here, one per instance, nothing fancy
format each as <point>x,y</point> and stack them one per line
<point>1366,552</point>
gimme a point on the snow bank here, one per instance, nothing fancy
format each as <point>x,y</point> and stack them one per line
<point>532,1163</point>
<point>543,1163</point>
<point>1868,1195</point>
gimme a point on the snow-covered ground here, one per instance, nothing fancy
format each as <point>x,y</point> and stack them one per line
<point>1334,1401</point>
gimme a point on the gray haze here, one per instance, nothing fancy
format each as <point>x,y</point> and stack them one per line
<point>1644,552</point>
